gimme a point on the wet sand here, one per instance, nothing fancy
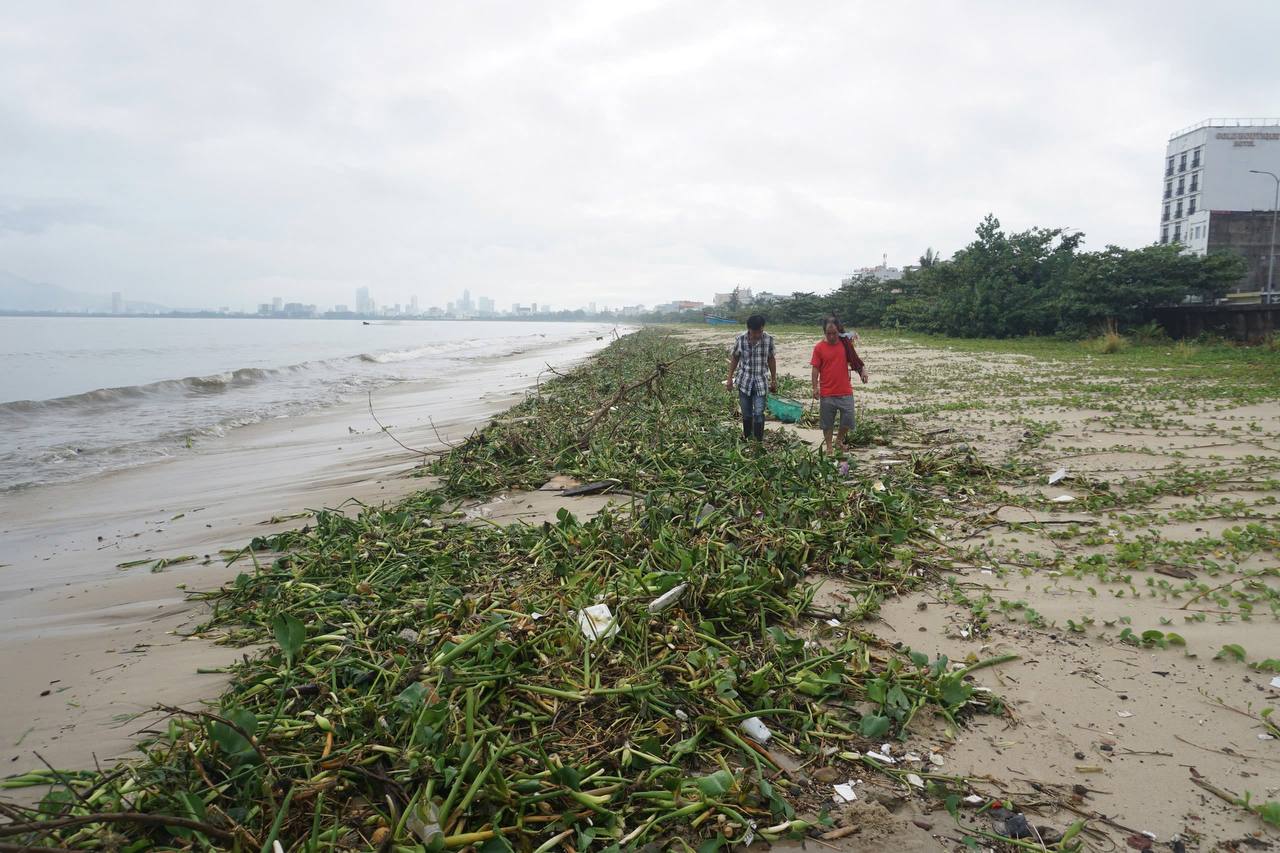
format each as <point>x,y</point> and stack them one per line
<point>87,646</point>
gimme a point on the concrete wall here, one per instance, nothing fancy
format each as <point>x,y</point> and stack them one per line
<point>1238,322</point>
<point>1247,234</point>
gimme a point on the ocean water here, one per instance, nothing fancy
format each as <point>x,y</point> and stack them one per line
<point>84,395</point>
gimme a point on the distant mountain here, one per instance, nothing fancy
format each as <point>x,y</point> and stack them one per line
<point>20,294</point>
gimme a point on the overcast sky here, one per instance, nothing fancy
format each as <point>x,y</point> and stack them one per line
<point>224,153</point>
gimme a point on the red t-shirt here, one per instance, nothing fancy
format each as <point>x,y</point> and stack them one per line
<point>833,369</point>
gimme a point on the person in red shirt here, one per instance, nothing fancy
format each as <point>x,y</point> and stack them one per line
<point>849,338</point>
<point>830,377</point>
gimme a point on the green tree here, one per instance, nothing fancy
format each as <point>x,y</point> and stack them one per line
<point>1125,286</point>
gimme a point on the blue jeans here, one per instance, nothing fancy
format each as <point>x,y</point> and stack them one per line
<point>752,415</point>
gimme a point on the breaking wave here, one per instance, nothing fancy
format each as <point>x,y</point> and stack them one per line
<point>107,398</point>
<point>394,356</point>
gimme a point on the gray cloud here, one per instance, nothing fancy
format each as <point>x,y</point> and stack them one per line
<point>37,217</point>
<point>622,152</point>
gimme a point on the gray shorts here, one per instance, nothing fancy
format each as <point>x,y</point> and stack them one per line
<point>828,407</point>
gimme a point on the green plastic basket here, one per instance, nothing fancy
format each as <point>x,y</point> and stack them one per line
<point>785,410</point>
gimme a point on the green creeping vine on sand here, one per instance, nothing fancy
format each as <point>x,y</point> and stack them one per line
<point>423,683</point>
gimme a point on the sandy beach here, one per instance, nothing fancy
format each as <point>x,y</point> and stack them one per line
<point>1097,720</point>
<point>88,646</point>
<point>1129,605</point>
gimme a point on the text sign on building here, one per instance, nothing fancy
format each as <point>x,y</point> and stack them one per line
<point>1247,138</point>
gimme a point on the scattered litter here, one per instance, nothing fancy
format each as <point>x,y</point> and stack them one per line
<point>834,623</point>
<point>915,780</point>
<point>597,622</point>
<point>668,598</point>
<point>975,800</point>
<point>756,730</point>
<point>1063,499</point>
<point>1088,768</point>
<point>1265,736</point>
<point>877,486</point>
<point>986,571</point>
<point>1060,474</point>
<point>424,822</point>
<point>1125,714</point>
<point>1275,682</point>
<point>1016,826</point>
<point>881,757</point>
<point>535,615</point>
<point>935,759</point>
<point>845,793</point>
<point>682,716</point>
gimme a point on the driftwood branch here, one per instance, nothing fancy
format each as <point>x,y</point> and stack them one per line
<point>1225,796</point>
<point>648,382</point>
<point>387,430</point>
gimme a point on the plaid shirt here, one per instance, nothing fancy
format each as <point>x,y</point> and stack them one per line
<point>751,377</point>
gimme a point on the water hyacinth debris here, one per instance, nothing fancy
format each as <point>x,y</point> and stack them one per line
<point>489,726</point>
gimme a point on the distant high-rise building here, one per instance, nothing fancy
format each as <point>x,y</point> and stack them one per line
<point>413,305</point>
<point>340,309</point>
<point>117,303</point>
<point>364,305</point>
<point>591,308</point>
<point>277,304</point>
<point>485,306</point>
<point>465,305</point>
<point>544,308</point>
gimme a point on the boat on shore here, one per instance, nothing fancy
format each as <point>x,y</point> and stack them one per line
<point>713,320</point>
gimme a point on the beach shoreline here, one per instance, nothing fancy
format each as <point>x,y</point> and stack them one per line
<point>88,646</point>
<point>972,562</point>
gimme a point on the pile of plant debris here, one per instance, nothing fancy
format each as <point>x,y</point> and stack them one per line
<point>645,677</point>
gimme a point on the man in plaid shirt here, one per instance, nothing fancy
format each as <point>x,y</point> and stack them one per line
<point>752,354</point>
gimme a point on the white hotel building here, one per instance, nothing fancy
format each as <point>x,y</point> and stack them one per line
<point>1206,171</point>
